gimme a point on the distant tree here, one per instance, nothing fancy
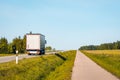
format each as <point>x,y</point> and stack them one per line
<point>54,49</point>
<point>117,45</point>
<point>105,46</point>
<point>24,43</point>
<point>110,46</point>
<point>48,48</point>
<point>3,45</point>
<point>10,50</point>
<point>90,47</point>
<point>18,42</point>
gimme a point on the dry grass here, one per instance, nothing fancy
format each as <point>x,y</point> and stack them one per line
<point>103,51</point>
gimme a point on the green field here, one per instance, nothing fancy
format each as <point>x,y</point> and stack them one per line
<point>46,67</point>
<point>108,59</point>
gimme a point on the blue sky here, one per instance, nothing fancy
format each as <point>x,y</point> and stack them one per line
<point>67,24</point>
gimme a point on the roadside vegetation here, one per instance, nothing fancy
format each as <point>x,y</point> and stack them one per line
<point>6,54</point>
<point>108,59</point>
<point>105,46</point>
<point>17,43</point>
<point>64,71</point>
<point>46,67</point>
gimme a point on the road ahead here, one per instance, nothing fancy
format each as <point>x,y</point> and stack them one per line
<point>85,69</point>
<point>11,58</point>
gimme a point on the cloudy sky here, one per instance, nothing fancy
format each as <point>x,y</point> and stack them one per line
<point>67,24</point>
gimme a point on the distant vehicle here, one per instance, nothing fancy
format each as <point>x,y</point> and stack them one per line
<point>35,43</point>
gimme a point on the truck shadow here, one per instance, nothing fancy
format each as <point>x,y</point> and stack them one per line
<point>58,55</point>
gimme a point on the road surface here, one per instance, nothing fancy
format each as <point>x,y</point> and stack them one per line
<point>11,58</point>
<point>86,69</point>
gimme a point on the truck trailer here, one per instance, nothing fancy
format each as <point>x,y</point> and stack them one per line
<point>35,43</point>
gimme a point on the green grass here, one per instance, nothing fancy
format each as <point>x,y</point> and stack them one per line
<point>64,71</point>
<point>39,68</point>
<point>108,59</point>
<point>6,55</point>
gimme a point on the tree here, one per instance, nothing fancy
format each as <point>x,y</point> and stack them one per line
<point>90,47</point>
<point>19,44</point>
<point>49,48</point>
<point>24,43</point>
<point>16,44</point>
<point>3,45</point>
<point>105,46</point>
<point>10,50</point>
<point>54,49</point>
<point>117,45</point>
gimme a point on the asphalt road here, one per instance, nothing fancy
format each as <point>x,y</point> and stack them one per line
<point>85,69</point>
<point>21,56</point>
<point>11,58</point>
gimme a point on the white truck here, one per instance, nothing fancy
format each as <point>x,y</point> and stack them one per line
<point>35,43</point>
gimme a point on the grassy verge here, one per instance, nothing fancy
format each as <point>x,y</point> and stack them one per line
<point>37,68</point>
<point>6,55</point>
<point>63,72</point>
<point>108,59</point>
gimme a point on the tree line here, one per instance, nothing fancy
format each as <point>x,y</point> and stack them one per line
<point>49,48</point>
<point>105,46</point>
<point>17,43</point>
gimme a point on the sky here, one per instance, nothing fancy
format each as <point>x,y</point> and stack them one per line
<point>67,24</point>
